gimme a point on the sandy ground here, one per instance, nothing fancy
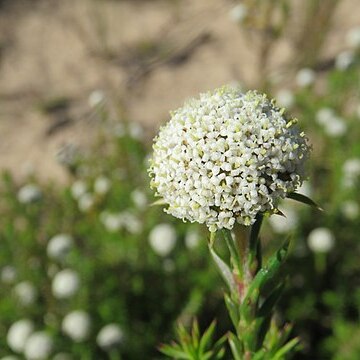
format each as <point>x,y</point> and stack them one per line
<point>146,56</point>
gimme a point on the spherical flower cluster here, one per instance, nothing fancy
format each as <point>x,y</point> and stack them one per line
<point>321,240</point>
<point>110,336</point>
<point>77,325</point>
<point>38,346</point>
<point>65,284</point>
<point>226,157</point>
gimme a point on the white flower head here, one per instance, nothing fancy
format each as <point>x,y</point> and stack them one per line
<point>305,77</point>
<point>226,157</point>
<point>86,202</point>
<point>59,246</point>
<point>238,13</point>
<point>110,336</point>
<point>38,346</point>
<point>29,193</point>
<point>8,274</point>
<point>353,37</point>
<point>18,333</point>
<point>65,284</point>
<point>139,198</point>
<point>102,185</point>
<point>192,239</point>
<point>162,239</point>
<point>78,188</point>
<point>285,98</point>
<point>77,325</point>
<point>321,240</point>
<point>26,293</point>
<point>350,209</point>
<point>344,60</point>
<point>96,98</point>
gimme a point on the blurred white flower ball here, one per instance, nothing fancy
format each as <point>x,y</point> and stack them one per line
<point>332,124</point>
<point>324,115</point>
<point>8,274</point>
<point>225,157</point>
<point>350,209</point>
<point>162,239</point>
<point>305,77</point>
<point>18,333</point>
<point>26,293</point>
<point>86,202</point>
<point>102,185</point>
<point>96,98</point>
<point>344,60</point>
<point>136,131</point>
<point>65,284</point>
<point>353,37</point>
<point>112,222</point>
<point>321,240</point>
<point>29,193</point>
<point>38,346</point>
<point>139,198</point>
<point>351,171</point>
<point>110,336</point>
<point>77,325</point>
<point>78,188</point>
<point>284,224</point>
<point>132,224</point>
<point>59,246</point>
<point>238,13</point>
<point>62,356</point>
<point>192,239</point>
<point>285,98</point>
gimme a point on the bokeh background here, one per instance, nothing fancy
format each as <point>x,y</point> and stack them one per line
<point>88,269</point>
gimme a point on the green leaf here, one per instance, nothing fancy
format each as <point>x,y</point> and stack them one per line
<point>173,351</point>
<point>266,274</point>
<point>225,271</point>
<point>233,251</point>
<point>206,338</point>
<point>271,300</point>
<point>287,348</point>
<point>236,347</point>
<point>304,199</point>
<point>232,310</point>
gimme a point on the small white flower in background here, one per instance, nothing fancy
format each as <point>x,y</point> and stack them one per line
<point>67,154</point>
<point>225,157</point>
<point>285,98</point>
<point>350,209</point>
<point>321,240</point>
<point>38,346</point>
<point>136,131</point>
<point>162,239</point>
<point>62,356</point>
<point>8,274</point>
<point>102,185</point>
<point>139,198</point>
<point>238,13</point>
<point>112,221</point>
<point>353,37</point>
<point>65,284</point>
<point>77,325</point>
<point>335,127</point>
<point>78,189</point>
<point>18,333</point>
<point>26,293</point>
<point>332,124</point>
<point>192,239</point>
<point>169,265</point>
<point>29,193</point>
<point>344,60</point>
<point>324,115</point>
<point>283,224</point>
<point>86,202</point>
<point>131,223</point>
<point>59,246</point>
<point>351,171</point>
<point>110,336</point>
<point>305,77</point>
<point>96,98</point>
